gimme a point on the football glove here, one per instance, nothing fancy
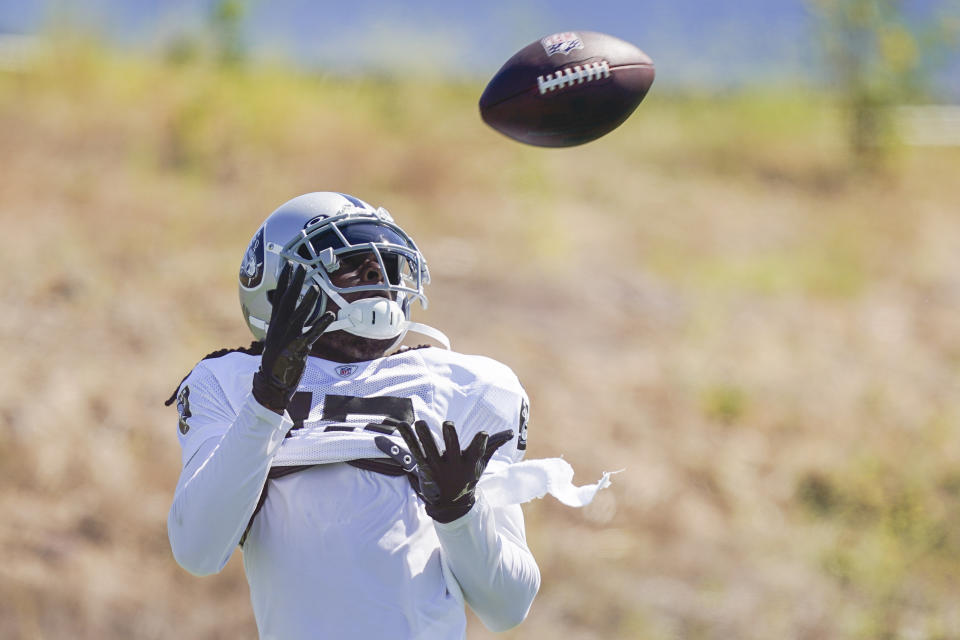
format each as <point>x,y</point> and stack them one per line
<point>286,346</point>
<point>447,481</point>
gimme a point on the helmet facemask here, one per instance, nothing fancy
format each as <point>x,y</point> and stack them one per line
<point>327,244</point>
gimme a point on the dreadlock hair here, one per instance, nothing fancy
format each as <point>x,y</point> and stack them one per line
<point>405,348</point>
<point>255,349</point>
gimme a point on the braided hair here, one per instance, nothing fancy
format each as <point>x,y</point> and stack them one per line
<point>255,349</point>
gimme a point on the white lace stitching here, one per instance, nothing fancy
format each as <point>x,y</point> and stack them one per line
<point>575,74</point>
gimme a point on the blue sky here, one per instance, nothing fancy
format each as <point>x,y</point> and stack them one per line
<point>692,42</point>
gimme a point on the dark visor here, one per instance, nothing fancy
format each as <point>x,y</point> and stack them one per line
<point>357,233</point>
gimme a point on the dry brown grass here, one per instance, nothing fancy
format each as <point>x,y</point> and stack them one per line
<point>708,298</point>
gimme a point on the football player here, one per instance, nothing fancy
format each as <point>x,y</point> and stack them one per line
<point>347,469</point>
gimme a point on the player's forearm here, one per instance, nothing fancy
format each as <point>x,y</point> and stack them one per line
<point>487,553</point>
<point>219,489</point>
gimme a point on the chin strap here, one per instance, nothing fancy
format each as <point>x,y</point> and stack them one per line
<point>430,332</point>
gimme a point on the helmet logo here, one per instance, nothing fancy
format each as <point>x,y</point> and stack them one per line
<point>251,269</point>
<point>524,418</point>
<point>183,408</point>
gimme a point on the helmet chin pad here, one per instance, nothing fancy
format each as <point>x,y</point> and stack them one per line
<point>381,319</point>
<point>376,318</point>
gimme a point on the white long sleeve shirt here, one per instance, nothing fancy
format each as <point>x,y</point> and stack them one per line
<point>336,551</point>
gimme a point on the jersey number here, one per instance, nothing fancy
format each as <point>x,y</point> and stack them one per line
<point>337,408</point>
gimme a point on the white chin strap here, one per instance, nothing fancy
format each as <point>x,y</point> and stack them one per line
<point>378,319</point>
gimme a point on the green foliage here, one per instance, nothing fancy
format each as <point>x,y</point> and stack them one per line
<point>226,27</point>
<point>814,271</point>
<point>895,534</point>
<point>725,403</point>
<point>221,40</point>
<point>877,58</point>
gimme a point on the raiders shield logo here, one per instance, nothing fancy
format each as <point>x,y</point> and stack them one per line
<point>251,270</point>
<point>183,408</point>
<point>524,417</point>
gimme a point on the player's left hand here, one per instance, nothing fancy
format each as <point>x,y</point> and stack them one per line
<point>448,480</point>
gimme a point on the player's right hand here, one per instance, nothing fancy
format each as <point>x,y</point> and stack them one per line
<point>286,346</point>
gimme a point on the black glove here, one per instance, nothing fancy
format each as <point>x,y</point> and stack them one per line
<point>286,346</point>
<point>448,480</point>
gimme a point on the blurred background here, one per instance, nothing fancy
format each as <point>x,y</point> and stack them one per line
<point>746,296</point>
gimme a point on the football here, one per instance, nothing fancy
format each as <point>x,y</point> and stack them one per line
<point>567,89</point>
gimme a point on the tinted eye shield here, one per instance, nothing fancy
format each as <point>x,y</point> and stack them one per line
<point>354,263</point>
<point>335,244</point>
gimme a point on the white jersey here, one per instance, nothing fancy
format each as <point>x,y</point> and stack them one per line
<point>337,551</point>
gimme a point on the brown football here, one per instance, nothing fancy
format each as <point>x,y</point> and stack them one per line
<point>567,89</point>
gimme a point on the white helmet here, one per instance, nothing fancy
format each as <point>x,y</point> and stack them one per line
<point>316,230</point>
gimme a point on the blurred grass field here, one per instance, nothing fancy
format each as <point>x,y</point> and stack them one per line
<point>712,298</point>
